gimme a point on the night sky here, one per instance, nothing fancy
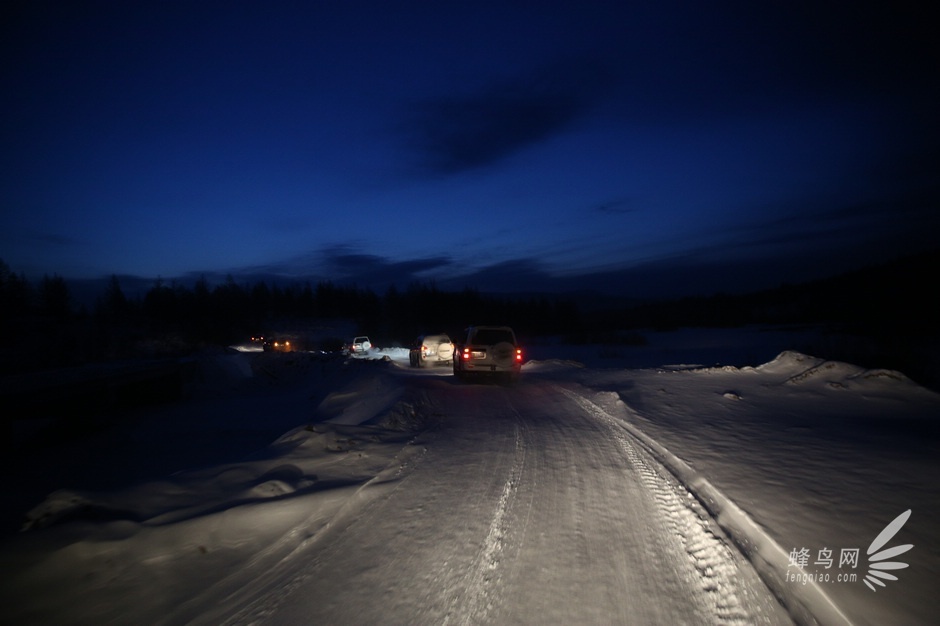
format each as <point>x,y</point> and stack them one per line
<point>637,148</point>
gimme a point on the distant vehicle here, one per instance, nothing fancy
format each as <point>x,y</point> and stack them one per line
<point>360,345</point>
<point>277,343</point>
<point>430,350</point>
<point>489,350</point>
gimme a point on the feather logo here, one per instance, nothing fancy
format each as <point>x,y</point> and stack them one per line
<point>878,562</point>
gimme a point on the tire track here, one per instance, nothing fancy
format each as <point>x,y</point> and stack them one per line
<point>482,582</point>
<point>688,523</point>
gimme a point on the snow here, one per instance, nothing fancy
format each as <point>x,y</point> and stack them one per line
<point>249,501</point>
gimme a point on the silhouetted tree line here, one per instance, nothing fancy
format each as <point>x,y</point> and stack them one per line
<point>889,310</point>
<point>46,330</point>
<point>423,309</point>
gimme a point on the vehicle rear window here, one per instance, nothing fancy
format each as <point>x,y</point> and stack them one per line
<point>492,336</point>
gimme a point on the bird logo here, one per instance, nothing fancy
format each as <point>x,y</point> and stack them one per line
<point>878,562</point>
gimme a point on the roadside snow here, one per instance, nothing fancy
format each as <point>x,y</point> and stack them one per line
<point>801,453</point>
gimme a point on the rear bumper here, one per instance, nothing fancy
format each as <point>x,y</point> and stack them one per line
<point>483,367</point>
<point>434,360</point>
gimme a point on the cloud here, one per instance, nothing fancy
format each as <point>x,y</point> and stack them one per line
<point>706,270</point>
<point>902,217</point>
<point>369,269</point>
<point>619,206</point>
<point>463,132</point>
<point>346,265</point>
<point>671,276</point>
<point>808,242</point>
<point>54,239</point>
<point>513,275</point>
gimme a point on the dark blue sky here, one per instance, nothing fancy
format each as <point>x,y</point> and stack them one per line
<point>665,147</point>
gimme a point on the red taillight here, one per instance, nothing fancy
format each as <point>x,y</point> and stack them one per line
<point>466,353</point>
<point>518,354</point>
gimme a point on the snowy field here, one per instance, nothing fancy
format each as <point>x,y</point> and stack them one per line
<point>703,478</point>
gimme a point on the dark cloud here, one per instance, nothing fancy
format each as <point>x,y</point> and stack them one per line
<point>690,273</point>
<point>463,132</point>
<point>53,239</point>
<point>373,270</point>
<point>616,207</point>
<point>515,275</point>
<point>812,242</point>
<point>346,265</point>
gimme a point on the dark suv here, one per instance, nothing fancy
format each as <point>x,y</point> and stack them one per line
<point>489,350</point>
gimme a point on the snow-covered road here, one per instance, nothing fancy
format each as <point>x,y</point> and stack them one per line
<point>520,504</point>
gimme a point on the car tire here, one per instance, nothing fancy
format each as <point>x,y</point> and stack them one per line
<point>503,354</point>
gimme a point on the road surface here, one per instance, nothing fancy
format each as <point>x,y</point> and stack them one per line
<point>525,504</point>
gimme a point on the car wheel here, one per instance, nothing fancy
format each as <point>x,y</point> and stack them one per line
<point>503,354</point>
